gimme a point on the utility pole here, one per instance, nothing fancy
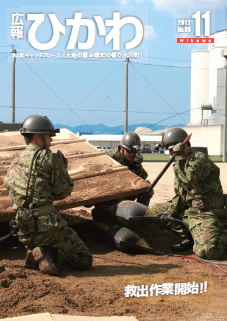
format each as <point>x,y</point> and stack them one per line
<point>224,54</point>
<point>126,95</point>
<point>13,89</point>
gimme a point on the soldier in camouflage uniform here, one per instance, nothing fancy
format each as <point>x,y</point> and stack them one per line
<point>35,179</point>
<point>127,154</point>
<point>125,212</point>
<point>199,201</point>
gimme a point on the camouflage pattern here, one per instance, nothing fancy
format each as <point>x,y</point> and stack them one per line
<point>53,183</point>
<point>116,155</point>
<point>201,177</point>
<point>130,164</point>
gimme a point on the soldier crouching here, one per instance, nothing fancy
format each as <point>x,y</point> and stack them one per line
<point>35,179</point>
<point>198,202</point>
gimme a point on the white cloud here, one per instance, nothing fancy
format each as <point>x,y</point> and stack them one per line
<point>130,2</point>
<point>173,5</point>
<point>149,32</point>
<point>123,2</point>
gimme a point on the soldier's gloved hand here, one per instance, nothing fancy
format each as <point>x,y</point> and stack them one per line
<point>179,149</point>
<point>164,217</point>
<point>138,159</point>
<point>61,155</point>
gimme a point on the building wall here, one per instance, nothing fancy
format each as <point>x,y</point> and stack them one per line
<point>115,144</point>
<point>10,126</point>
<point>114,140</point>
<point>207,80</point>
<point>202,136</point>
<point>206,136</point>
<point>199,83</point>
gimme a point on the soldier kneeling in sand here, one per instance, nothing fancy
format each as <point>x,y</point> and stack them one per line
<point>35,179</point>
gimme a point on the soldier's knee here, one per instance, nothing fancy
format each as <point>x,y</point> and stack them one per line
<point>161,207</point>
<point>209,252</point>
<point>202,252</point>
<point>83,263</point>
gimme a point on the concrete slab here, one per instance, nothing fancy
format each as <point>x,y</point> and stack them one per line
<point>60,317</point>
<point>33,317</point>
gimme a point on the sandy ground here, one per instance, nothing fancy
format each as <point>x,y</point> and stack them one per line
<point>99,291</point>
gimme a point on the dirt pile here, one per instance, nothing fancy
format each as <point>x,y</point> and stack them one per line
<point>97,291</point>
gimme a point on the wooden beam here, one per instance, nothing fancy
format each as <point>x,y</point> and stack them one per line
<point>80,140</point>
<point>86,155</point>
<point>77,177</point>
<point>10,213</point>
<point>53,143</point>
<point>112,170</point>
<point>99,199</point>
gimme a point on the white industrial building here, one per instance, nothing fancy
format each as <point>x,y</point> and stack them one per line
<point>147,141</point>
<point>208,82</point>
<point>208,77</point>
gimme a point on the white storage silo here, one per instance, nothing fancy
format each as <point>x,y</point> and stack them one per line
<point>199,83</point>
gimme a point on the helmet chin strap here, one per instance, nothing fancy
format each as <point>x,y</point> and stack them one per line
<point>44,141</point>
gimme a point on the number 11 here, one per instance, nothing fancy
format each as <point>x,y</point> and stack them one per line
<point>206,17</point>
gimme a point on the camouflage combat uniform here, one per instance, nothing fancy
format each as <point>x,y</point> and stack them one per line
<point>201,177</point>
<point>130,164</point>
<point>53,183</point>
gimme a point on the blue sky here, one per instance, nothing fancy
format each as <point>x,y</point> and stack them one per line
<point>159,86</point>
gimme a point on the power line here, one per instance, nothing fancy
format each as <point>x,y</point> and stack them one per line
<point>56,94</point>
<point>168,66</point>
<point>96,110</point>
<point>18,88</point>
<point>167,58</point>
<point>9,46</point>
<point>160,121</point>
<point>64,101</point>
<point>91,92</point>
<point>3,58</point>
<point>157,92</point>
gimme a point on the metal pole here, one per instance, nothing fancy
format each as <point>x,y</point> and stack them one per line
<point>143,196</point>
<point>225,118</point>
<point>126,96</point>
<point>13,89</point>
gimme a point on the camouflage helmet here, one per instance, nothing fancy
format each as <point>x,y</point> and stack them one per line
<point>173,136</point>
<point>37,124</point>
<point>131,142</point>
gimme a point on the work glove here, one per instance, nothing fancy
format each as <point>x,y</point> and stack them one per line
<point>61,155</point>
<point>138,159</point>
<point>164,217</point>
<point>179,149</point>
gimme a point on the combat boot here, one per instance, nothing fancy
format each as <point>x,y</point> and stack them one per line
<point>185,245</point>
<point>44,256</point>
<point>30,262</point>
